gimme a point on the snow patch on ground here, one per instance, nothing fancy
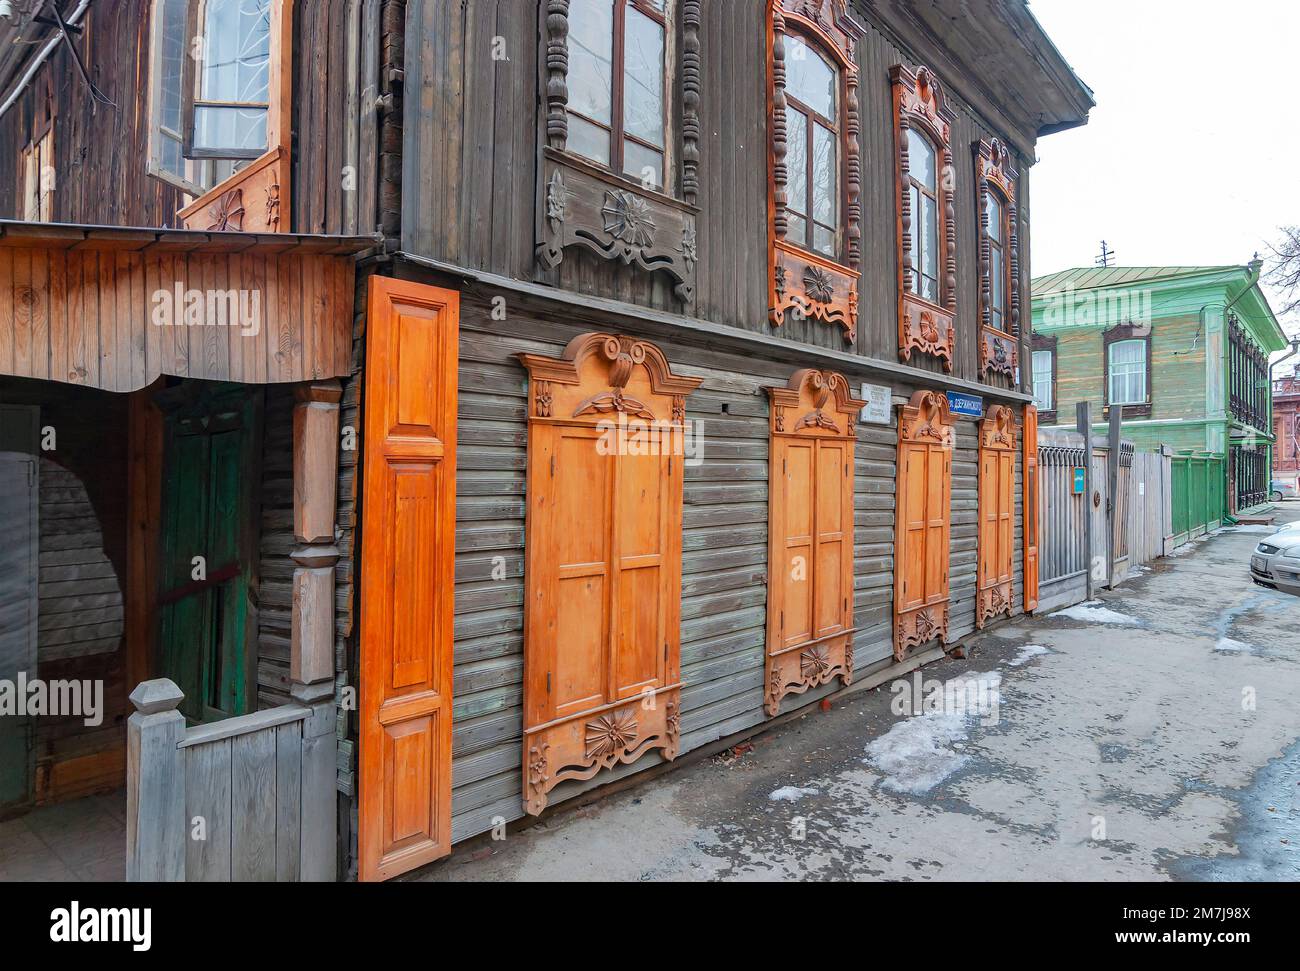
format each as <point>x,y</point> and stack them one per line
<point>1251,528</point>
<point>792,793</point>
<point>1231,646</point>
<point>1092,612</point>
<point>917,754</point>
<point>1027,652</point>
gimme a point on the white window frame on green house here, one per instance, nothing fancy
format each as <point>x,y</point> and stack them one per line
<point>1127,371</point>
<point>1044,379</point>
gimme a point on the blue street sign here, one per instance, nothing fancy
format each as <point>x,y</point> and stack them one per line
<point>971,405</point>
<point>1078,481</point>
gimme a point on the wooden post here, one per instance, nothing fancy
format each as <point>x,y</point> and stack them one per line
<point>1166,499</point>
<point>155,785</point>
<point>1112,490</point>
<point>1083,420</point>
<point>311,664</point>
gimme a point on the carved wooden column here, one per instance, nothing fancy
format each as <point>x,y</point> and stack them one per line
<point>311,664</point>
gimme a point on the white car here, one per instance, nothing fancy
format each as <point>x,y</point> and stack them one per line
<point>1276,560</point>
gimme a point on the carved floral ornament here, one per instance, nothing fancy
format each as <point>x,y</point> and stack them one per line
<point>821,400</point>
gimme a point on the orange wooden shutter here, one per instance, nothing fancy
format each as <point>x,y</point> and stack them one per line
<point>407,576</point>
<point>924,521</point>
<point>996,513</point>
<point>810,537</point>
<point>1031,508</point>
<point>604,552</point>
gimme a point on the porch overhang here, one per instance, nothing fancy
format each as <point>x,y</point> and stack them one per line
<point>116,307</point>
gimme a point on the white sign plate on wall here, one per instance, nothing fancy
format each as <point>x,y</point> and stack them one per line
<point>878,399</point>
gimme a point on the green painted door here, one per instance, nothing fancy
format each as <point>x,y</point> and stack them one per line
<point>18,605</point>
<point>207,567</point>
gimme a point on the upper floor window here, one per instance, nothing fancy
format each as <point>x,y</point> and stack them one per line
<point>925,184</point>
<point>814,229</point>
<point>227,84</point>
<point>618,104</point>
<point>813,157</point>
<point>999,260</point>
<point>1043,380</point>
<point>1127,372</point>
<point>923,187</point>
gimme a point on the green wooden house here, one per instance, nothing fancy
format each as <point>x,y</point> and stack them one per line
<point>1184,351</point>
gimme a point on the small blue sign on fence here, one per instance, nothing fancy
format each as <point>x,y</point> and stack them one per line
<point>970,405</point>
<point>1079,481</point>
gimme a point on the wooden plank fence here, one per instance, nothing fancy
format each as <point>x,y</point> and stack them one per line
<point>217,802</point>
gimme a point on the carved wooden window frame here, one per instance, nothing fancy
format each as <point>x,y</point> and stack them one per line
<point>925,326</point>
<point>801,280</point>
<point>256,197</point>
<point>1115,335</point>
<point>602,385</point>
<point>583,203</point>
<point>815,413</point>
<point>1049,343</point>
<point>997,504</point>
<point>995,175</point>
<point>926,424</point>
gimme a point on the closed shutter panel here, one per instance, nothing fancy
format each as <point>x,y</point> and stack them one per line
<point>810,542</point>
<point>603,573</point>
<point>996,513</point>
<point>407,577</point>
<point>921,591</point>
<point>1031,508</point>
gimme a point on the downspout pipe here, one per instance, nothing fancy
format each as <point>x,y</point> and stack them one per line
<point>41,57</point>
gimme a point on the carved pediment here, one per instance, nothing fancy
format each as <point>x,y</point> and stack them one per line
<point>998,429</point>
<point>815,401</point>
<point>927,418</point>
<point>599,375</point>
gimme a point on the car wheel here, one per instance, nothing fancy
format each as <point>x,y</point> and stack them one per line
<point>1276,497</point>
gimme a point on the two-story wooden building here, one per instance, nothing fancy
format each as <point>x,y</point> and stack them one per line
<point>1183,350</point>
<point>687,385</point>
<point>1286,426</point>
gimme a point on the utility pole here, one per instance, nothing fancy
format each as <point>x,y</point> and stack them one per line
<point>1083,421</point>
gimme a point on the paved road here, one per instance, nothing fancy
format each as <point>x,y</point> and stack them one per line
<point>1154,736</point>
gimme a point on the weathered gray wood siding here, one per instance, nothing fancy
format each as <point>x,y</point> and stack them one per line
<point>470,173</point>
<point>724,549</point>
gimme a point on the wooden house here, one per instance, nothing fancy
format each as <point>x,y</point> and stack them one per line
<point>686,382</point>
<point>1183,349</point>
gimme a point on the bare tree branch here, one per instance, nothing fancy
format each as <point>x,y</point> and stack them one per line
<point>1284,272</point>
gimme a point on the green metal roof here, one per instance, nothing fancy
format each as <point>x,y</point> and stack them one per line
<point>1093,277</point>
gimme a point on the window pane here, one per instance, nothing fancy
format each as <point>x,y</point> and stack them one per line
<point>809,77</point>
<point>643,164</point>
<point>920,159</point>
<point>914,251</point>
<point>825,184</point>
<point>643,78</point>
<point>823,240</point>
<point>588,140</point>
<point>993,209</point>
<point>229,128</point>
<point>1127,363</point>
<point>996,285</point>
<point>797,160</point>
<point>591,59</point>
<point>237,54</point>
<point>930,249</point>
<point>1128,352</point>
<point>171,28</point>
<point>798,229</point>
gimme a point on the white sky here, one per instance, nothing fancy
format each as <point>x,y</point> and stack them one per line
<point>1192,155</point>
